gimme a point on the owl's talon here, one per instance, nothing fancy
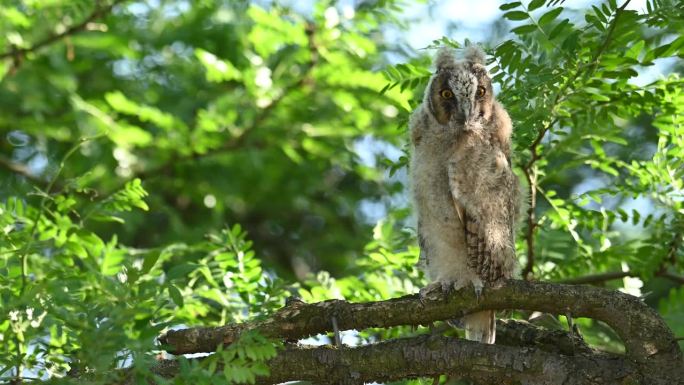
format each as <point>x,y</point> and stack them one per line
<point>447,287</point>
<point>424,292</point>
<point>428,292</point>
<point>478,293</point>
<point>421,297</point>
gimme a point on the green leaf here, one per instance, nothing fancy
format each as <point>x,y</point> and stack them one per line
<point>161,119</point>
<point>534,4</point>
<point>15,16</point>
<point>672,309</point>
<point>593,20</point>
<point>130,196</point>
<point>597,94</point>
<point>76,249</point>
<point>175,295</point>
<point>217,70</point>
<point>126,136</point>
<point>516,15</point>
<point>260,369</point>
<point>64,203</point>
<point>669,49</point>
<point>180,270</point>
<point>634,51</point>
<point>599,14</point>
<point>111,262</point>
<point>149,261</point>
<point>106,218</point>
<point>558,28</point>
<point>507,6</point>
<point>523,29</point>
<point>550,16</point>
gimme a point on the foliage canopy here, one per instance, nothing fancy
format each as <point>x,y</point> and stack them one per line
<point>172,163</point>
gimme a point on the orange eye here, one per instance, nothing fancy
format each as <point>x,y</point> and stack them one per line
<point>480,92</point>
<point>447,94</point>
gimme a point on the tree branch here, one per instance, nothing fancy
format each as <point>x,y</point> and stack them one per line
<point>661,271</point>
<point>594,279</point>
<point>432,355</point>
<point>672,277</point>
<point>609,36</point>
<point>647,338</point>
<point>98,12</point>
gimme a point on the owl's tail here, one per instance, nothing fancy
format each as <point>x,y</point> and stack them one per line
<point>481,326</point>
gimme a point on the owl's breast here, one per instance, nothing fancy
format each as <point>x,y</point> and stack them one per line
<point>432,197</point>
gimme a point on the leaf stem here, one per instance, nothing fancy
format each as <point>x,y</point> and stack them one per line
<point>43,202</point>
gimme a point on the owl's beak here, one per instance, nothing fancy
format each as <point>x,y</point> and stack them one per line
<point>464,107</point>
<point>465,110</point>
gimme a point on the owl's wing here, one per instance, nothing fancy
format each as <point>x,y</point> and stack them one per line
<point>480,251</point>
<point>488,233</point>
<point>479,255</point>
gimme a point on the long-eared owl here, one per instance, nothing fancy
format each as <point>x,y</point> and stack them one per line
<point>465,193</point>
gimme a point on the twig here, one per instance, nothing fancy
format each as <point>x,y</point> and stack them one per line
<point>661,271</point>
<point>530,171</point>
<point>42,208</point>
<point>20,360</point>
<point>21,169</point>
<point>609,36</point>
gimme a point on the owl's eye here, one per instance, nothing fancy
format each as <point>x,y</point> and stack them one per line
<point>480,92</point>
<point>447,94</point>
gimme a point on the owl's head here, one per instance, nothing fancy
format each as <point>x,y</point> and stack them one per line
<point>459,94</point>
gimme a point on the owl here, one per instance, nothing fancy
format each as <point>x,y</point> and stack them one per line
<point>465,194</point>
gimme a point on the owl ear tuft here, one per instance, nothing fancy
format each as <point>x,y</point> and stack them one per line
<point>475,54</point>
<point>445,58</point>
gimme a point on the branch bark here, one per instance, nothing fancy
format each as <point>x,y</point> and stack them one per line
<point>650,344</point>
<point>432,355</point>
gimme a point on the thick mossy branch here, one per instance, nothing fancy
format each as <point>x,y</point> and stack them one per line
<point>647,338</point>
<point>427,356</point>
